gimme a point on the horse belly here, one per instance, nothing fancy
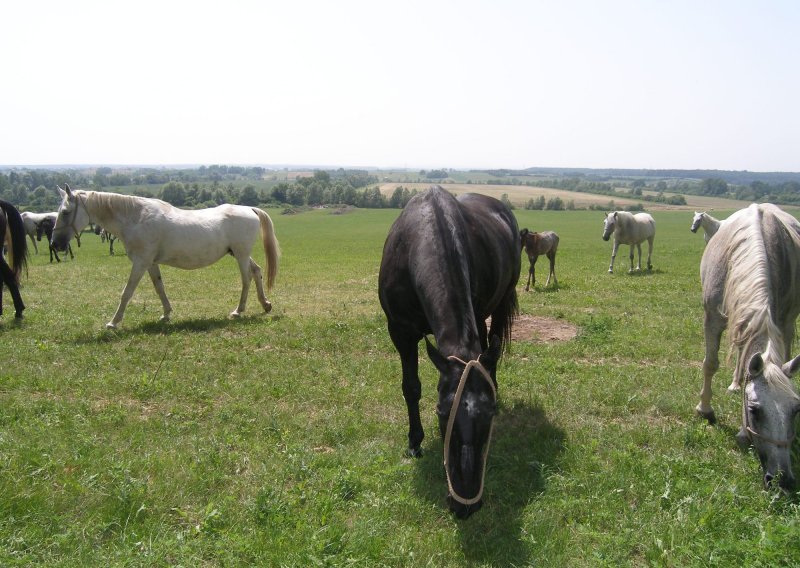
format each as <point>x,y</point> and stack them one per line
<point>193,249</point>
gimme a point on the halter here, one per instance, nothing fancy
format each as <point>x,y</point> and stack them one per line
<point>475,363</point>
<point>752,433</point>
<point>74,216</point>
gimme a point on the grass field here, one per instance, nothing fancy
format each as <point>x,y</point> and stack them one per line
<point>278,440</point>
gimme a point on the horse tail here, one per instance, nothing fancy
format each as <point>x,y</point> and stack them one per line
<point>505,314</point>
<point>271,247</point>
<point>18,249</point>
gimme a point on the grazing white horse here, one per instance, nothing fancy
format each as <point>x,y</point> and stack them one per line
<point>31,221</point>
<point>750,274</point>
<point>630,229</point>
<point>155,232</point>
<point>710,224</point>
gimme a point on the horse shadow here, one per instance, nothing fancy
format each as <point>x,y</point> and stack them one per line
<point>525,446</point>
<point>190,325</point>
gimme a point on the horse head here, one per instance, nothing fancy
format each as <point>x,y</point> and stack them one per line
<point>608,225</point>
<point>770,405</point>
<point>466,410</point>
<point>72,217</point>
<point>697,220</point>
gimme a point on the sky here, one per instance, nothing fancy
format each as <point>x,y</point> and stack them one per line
<point>417,84</point>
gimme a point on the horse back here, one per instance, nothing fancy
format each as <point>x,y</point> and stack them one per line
<point>447,262</point>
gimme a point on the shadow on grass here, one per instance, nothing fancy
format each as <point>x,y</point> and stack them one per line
<point>193,325</point>
<point>525,445</point>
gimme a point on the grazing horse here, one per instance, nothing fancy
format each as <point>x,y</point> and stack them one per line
<point>750,274</point>
<point>537,244</point>
<point>709,224</point>
<point>449,263</point>
<point>105,236</point>
<point>155,232</point>
<point>31,221</point>
<point>45,227</point>
<point>12,229</point>
<point>630,229</point>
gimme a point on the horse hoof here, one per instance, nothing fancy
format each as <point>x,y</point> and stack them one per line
<point>734,387</point>
<point>164,319</point>
<point>708,415</point>
<point>267,308</point>
<point>235,315</point>
<point>414,452</point>
<point>111,325</point>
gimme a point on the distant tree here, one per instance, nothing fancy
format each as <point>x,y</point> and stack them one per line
<point>506,201</point>
<point>555,204</point>
<point>173,192</point>
<point>248,196</point>
<point>714,186</point>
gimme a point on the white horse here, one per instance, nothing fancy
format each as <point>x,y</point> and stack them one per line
<point>630,229</point>
<point>31,221</point>
<point>710,224</point>
<point>155,232</point>
<point>751,284</point>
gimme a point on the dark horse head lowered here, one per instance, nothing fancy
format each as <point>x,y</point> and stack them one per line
<point>448,264</point>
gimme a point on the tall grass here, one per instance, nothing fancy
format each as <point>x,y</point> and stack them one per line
<point>279,439</point>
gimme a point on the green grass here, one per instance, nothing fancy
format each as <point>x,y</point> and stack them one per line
<point>279,439</point>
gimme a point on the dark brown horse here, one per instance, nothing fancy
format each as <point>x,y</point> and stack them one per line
<point>448,264</point>
<point>12,230</point>
<point>537,244</point>
<point>44,228</point>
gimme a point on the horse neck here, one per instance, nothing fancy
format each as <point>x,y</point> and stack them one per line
<point>109,210</point>
<point>710,225</point>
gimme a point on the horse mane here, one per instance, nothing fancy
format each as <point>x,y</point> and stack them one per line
<point>106,203</point>
<point>747,298</point>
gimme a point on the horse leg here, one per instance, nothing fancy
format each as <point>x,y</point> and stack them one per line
<point>247,274</point>
<point>258,277</point>
<point>412,388</point>
<point>532,272</point>
<point>35,247</point>
<point>613,255</point>
<point>631,256</point>
<point>69,250</point>
<point>551,256</point>
<point>712,329</point>
<point>7,276</point>
<point>158,284</point>
<point>649,253</point>
<point>137,271</point>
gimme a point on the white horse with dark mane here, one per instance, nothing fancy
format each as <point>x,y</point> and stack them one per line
<point>751,284</point>
<point>710,224</point>
<point>630,229</point>
<point>155,232</point>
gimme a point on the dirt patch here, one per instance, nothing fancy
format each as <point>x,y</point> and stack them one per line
<point>542,330</point>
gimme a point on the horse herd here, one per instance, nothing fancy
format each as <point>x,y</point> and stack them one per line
<point>451,263</point>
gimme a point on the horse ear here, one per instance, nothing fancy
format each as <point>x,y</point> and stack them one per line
<point>791,367</point>
<point>615,214</point>
<point>67,189</point>
<point>438,360</point>
<point>756,365</point>
<point>61,192</point>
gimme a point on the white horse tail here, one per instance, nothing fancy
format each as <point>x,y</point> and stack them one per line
<point>271,247</point>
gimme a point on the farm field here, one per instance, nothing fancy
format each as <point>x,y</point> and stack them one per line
<point>520,194</point>
<point>278,440</point>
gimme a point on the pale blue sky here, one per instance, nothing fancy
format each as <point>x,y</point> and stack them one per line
<point>460,84</point>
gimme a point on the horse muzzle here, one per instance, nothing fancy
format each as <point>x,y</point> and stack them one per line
<point>606,237</point>
<point>462,511</point>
